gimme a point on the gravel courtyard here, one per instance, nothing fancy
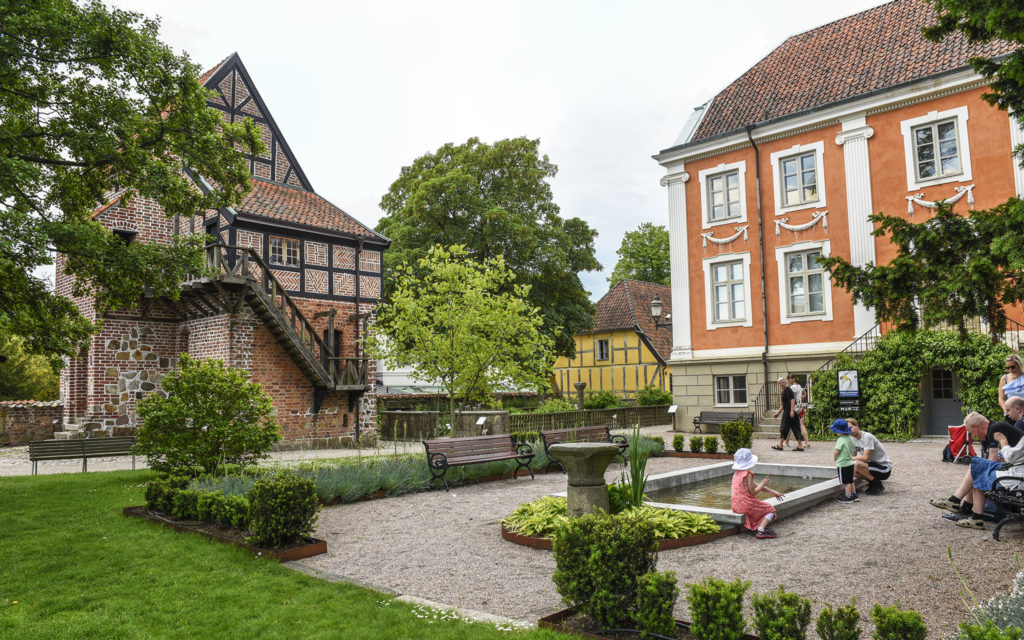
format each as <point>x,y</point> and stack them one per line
<point>891,549</point>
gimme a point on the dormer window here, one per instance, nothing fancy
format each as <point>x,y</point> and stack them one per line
<point>284,251</point>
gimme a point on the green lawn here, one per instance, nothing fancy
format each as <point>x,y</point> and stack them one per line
<point>72,566</point>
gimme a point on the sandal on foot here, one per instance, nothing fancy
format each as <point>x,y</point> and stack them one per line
<point>765,534</point>
<point>798,449</point>
<point>970,523</point>
<point>948,505</point>
<point>777,448</point>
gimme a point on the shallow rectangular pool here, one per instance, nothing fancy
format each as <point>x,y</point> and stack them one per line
<point>700,490</point>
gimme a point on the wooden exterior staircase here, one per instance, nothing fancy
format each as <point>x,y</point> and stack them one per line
<point>235,274</point>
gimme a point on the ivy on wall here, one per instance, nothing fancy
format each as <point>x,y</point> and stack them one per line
<point>892,373</point>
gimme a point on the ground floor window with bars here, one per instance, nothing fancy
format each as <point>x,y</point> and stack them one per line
<point>731,390</point>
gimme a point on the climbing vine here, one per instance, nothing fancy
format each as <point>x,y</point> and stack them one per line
<point>891,375</point>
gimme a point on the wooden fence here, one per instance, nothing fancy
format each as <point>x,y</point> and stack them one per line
<point>619,417</point>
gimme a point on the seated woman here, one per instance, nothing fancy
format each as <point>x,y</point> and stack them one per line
<point>759,514</point>
<point>979,479</point>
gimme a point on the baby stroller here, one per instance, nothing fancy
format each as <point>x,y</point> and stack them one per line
<point>959,448</point>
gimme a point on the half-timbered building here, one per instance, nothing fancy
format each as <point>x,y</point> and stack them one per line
<point>293,286</point>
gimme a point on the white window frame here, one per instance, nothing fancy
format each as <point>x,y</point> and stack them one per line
<point>705,203</point>
<point>732,390</point>
<point>825,247</point>
<point>597,350</point>
<point>818,148</point>
<point>708,264</point>
<point>907,128</point>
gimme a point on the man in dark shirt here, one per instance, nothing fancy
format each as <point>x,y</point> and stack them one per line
<point>983,430</point>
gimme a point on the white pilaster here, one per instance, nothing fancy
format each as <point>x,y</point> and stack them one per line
<point>682,341</point>
<point>854,141</point>
<point>1016,139</point>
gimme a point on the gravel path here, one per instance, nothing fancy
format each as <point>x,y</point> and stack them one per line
<point>890,549</point>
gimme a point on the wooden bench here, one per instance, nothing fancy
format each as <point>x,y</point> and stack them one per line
<point>720,417</point>
<point>581,434</point>
<point>1008,495</point>
<point>83,448</point>
<point>457,452</point>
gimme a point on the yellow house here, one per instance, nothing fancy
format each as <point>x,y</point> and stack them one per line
<point>628,347</point>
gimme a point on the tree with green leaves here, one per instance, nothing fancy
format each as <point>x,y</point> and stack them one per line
<point>463,324</point>
<point>954,268</point>
<point>24,375</point>
<point>643,255</point>
<point>92,104</point>
<point>494,200</point>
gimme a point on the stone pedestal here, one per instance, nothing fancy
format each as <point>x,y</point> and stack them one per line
<point>585,463</point>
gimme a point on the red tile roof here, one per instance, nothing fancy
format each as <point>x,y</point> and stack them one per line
<point>290,204</point>
<point>628,304</point>
<point>30,403</point>
<point>857,55</point>
<point>203,79</point>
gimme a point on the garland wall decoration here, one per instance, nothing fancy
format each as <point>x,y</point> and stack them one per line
<point>740,231</point>
<point>919,199</point>
<point>815,217</point>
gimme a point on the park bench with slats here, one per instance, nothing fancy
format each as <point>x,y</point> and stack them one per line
<point>443,453</point>
<point>720,418</point>
<point>83,448</point>
<point>597,433</point>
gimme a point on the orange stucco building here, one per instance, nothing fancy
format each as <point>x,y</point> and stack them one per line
<point>786,164</point>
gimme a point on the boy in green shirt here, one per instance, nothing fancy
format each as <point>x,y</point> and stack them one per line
<point>843,456</point>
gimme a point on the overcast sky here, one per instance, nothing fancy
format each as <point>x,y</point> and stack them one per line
<point>360,89</point>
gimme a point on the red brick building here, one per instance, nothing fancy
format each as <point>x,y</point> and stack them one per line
<point>295,283</point>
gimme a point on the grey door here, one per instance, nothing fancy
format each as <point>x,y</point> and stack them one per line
<point>943,407</point>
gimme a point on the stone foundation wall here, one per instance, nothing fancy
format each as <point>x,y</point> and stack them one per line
<point>23,421</point>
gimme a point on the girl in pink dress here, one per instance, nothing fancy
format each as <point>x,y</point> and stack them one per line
<point>744,495</point>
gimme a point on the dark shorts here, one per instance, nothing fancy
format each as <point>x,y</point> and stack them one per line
<point>845,474</point>
<point>881,471</point>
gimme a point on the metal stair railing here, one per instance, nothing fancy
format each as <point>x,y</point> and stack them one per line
<point>244,262</point>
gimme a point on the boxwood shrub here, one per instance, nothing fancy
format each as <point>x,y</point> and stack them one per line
<point>282,510</point>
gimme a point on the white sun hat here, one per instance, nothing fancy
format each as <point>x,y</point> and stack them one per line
<point>744,459</point>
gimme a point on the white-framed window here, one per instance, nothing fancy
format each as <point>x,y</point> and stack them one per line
<point>937,148</point>
<point>727,290</point>
<point>284,251</point>
<point>723,194</point>
<point>601,349</point>
<point>805,291</point>
<point>731,390</point>
<point>799,177</point>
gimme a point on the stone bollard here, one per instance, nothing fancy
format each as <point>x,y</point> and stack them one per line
<point>585,463</point>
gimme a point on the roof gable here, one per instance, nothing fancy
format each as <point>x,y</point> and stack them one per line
<point>867,52</point>
<point>627,306</point>
<point>236,97</point>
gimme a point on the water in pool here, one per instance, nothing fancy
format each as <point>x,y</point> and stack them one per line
<point>716,493</point>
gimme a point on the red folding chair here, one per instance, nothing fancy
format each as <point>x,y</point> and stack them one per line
<point>960,446</point>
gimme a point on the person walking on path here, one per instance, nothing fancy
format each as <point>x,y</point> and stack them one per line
<point>801,399</point>
<point>790,422</point>
<point>759,514</point>
<point>870,461</point>
<point>843,455</point>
